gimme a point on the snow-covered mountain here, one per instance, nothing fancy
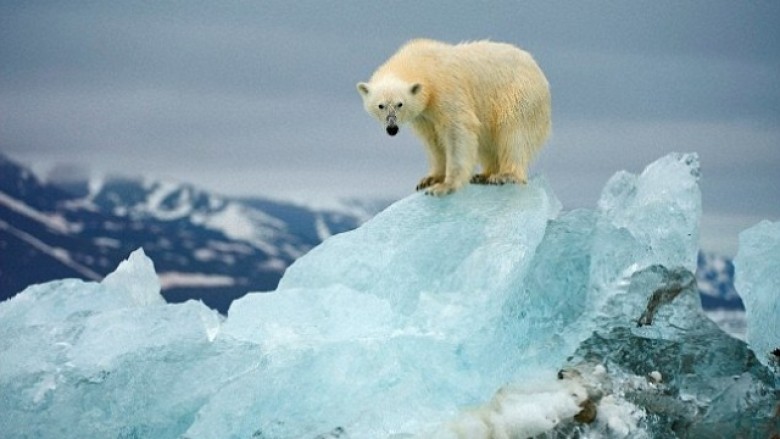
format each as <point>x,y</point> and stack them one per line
<point>205,246</point>
<point>715,277</point>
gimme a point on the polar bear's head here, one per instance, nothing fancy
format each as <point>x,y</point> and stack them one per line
<point>392,101</point>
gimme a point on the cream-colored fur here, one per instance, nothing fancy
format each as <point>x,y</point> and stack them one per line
<point>480,102</point>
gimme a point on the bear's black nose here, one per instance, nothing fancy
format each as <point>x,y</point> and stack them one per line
<point>392,130</point>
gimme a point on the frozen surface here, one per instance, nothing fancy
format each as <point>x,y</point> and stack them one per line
<point>489,313</point>
<point>757,279</point>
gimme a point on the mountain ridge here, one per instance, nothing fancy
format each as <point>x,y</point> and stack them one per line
<point>206,246</point>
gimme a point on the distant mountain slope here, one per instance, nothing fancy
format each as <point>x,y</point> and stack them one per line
<point>205,246</point>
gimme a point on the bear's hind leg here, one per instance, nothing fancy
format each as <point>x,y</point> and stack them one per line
<point>514,152</point>
<point>489,161</point>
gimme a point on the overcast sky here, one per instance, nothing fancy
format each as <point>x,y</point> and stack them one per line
<point>258,98</point>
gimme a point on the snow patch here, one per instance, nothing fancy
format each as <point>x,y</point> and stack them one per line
<point>53,221</point>
<point>323,232</point>
<point>205,254</point>
<point>176,279</point>
<point>103,241</point>
<point>57,253</point>
<point>159,192</point>
<point>273,264</point>
<point>236,223</point>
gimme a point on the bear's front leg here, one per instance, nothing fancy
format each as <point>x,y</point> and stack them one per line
<point>460,158</point>
<point>436,156</point>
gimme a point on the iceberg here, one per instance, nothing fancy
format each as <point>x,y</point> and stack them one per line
<point>490,313</point>
<point>757,278</point>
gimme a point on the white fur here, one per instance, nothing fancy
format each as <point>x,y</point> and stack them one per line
<point>481,102</point>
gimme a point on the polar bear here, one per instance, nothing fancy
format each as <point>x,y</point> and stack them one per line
<point>480,102</point>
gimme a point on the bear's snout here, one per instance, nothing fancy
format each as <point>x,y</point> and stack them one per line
<point>392,130</point>
<point>391,126</point>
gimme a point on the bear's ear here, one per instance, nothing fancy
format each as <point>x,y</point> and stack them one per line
<point>416,87</point>
<point>362,88</point>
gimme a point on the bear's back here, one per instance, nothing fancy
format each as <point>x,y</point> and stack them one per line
<point>414,60</point>
<point>424,59</point>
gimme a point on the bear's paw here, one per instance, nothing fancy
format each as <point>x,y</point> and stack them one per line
<point>441,189</point>
<point>498,179</point>
<point>429,181</point>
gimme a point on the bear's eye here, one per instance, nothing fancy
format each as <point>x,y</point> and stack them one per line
<point>400,104</point>
<point>381,106</point>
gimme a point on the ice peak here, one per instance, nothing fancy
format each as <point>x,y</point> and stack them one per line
<point>135,277</point>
